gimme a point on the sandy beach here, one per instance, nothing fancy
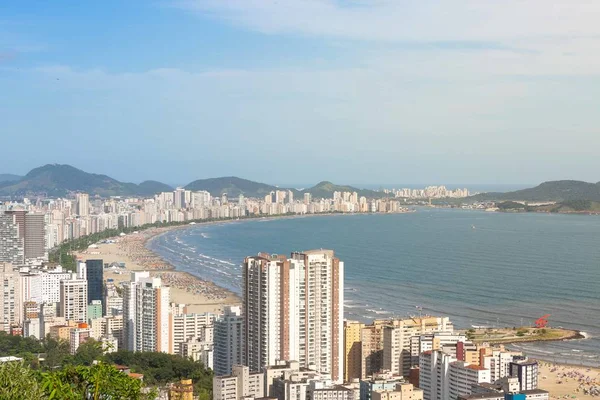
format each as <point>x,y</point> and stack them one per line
<point>572,382</point>
<point>200,296</point>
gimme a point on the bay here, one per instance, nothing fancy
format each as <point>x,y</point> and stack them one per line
<point>479,268</point>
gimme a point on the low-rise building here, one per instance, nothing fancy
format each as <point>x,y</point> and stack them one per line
<point>239,385</point>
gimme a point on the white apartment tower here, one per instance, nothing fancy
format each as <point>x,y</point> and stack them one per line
<point>188,327</point>
<point>11,308</point>
<point>147,322</point>
<point>228,334</point>
<point>73,299</point>
<point>397,336</point>
<point>293,310</point>
<point>443,377</point>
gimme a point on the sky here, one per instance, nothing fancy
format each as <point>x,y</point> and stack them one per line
<point>298,91</point>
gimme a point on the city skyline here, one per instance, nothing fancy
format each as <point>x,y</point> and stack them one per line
<point>191,88</point>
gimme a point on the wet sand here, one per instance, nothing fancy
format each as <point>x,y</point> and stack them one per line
<point>572,382</point>
<point>198,294</point>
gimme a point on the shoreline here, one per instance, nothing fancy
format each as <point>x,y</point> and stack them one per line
<point>197,294</point>
<point>568,381</point>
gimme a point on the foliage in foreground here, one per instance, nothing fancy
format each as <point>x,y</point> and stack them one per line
<point>157,368</point>
<point>97,382</point>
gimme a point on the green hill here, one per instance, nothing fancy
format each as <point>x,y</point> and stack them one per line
<point>233,186</point>
<point>150,188</point>
<point>548,191</point>
<point>56,180</point>
<point>9,178</point>
<point>325,189</point>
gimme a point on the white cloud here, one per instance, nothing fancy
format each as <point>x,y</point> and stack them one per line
<point>400,20</point>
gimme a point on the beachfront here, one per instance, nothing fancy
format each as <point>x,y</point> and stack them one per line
<point>569,382</point>
<point>198,294</point>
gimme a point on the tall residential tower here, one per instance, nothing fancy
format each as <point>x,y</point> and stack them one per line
<point>293,310</point>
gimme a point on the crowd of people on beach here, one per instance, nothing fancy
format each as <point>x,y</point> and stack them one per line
<point>192,284</point>
<point>587,384</point>
<point>133,246</point>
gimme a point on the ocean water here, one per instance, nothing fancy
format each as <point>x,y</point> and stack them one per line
<point>478,268</point>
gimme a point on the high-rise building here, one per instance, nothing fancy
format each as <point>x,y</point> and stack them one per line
<point>32,232</point>
<point>179,198</point>
<point>146,314</point>
<point>130,309</point>
<point>352,350</point>
<point>83,204</point>
<point>11,242</point>
<point>228,334</point>
<point>51,284</point>
<point>73,299</point>
<point>526,372</point>
<point>35,236</point>
<point>293,310</point>
<point>371,337</point>
<point>95,279</point>
<point>153,322</point>
<point>397,356</point>
<point>192,326</point>
<point>11,308</point>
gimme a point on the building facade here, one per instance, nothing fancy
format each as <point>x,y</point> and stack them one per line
<point>95,278</point>
<point>293,310</point>
<point>228,338</point>
<point>73,299</point>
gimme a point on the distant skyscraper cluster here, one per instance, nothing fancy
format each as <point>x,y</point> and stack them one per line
<point>34,228</point>
<point>430,192</point>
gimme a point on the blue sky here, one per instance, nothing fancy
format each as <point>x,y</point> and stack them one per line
<point>298,91</point>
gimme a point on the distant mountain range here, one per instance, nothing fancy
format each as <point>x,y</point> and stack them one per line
<point>57,180</point>
<point>54,180</point>
<point>558,191</point>
<point>9,178</point>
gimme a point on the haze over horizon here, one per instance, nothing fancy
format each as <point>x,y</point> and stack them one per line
<point>302,91</point>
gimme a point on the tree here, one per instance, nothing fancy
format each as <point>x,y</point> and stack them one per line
<point>17,382</point>
<point>88,352</point>
<point>57,352</point>
<point>99,382</point>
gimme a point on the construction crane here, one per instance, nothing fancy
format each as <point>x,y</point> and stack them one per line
<point>542,322</point>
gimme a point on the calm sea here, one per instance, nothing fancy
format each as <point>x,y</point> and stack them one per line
<point>479,268</point>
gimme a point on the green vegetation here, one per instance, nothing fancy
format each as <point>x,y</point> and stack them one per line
<point>61,372</point>
<point>510,335</point>
<point>9,178</point>
<point>560,191</point>
<point>511,206</point>
<point>233,186</point>
<point>162,368</point>
<point>325,190</point>
<point>100,381</point>
<point>57,180</point>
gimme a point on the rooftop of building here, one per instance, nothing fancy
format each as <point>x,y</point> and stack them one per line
<point>535,391</point>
